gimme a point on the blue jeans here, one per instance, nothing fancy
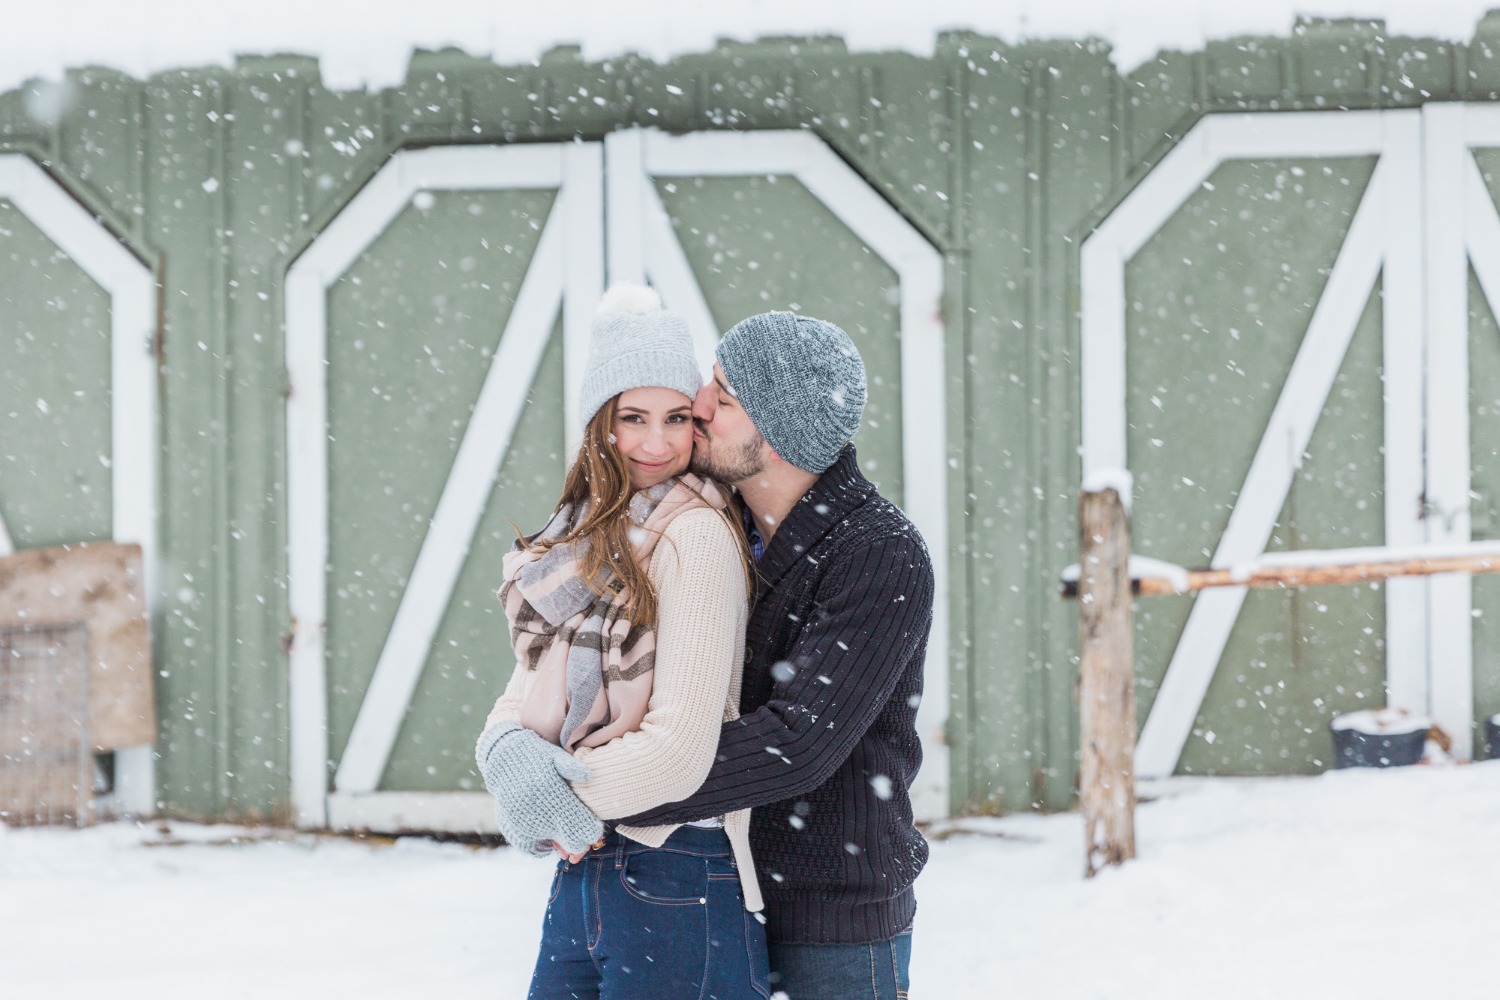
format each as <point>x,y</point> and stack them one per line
<point>630,922</point>
<point>877,971</point>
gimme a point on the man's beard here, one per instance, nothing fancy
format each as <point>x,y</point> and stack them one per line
<point>746,461</point>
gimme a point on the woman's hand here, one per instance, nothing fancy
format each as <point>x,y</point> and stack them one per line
<point>571,859</point>
<point>534,803</point>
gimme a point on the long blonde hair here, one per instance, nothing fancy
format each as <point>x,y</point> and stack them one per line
<point>600,478</point>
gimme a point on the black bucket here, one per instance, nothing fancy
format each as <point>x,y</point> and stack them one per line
<point>1352,748</point>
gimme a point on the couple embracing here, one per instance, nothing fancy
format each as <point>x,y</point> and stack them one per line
<point>719,638</point>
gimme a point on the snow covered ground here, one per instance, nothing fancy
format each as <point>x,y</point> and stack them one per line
<point>1376,884</point>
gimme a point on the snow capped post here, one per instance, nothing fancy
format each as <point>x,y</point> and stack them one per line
<point>1106,676</point>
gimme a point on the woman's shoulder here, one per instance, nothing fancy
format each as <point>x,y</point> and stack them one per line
<point>698,556</point>
<point>703,525</point>
<point>697,541</point>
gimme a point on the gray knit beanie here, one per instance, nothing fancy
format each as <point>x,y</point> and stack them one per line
<point>635,343</point>
<point>802,382</point>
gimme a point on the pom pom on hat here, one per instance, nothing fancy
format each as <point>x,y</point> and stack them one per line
<point>628,299</point>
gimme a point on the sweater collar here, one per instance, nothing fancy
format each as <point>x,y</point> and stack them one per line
<point>840,490</point>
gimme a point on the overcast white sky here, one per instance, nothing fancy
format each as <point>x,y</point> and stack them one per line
<point>368,42</point>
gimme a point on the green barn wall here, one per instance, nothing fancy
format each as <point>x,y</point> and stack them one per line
<point>1004,156</point>
<point>63,404</point>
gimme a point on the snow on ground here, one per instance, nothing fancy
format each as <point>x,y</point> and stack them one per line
<point>1354,884</point>
<point>368,42</point>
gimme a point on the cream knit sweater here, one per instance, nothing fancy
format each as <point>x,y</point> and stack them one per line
<point>700,652</point>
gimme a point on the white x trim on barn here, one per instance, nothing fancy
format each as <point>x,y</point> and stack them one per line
<point>1424,217</point>
<point>569,234</point>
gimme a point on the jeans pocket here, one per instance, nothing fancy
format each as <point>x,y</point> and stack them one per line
<point>760,959</point>
<point>667,878</point>
<point>557,878</point>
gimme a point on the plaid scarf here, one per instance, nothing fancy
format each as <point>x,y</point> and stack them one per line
<point>593,667</point>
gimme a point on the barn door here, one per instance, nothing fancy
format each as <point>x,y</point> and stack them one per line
<point>419,324</point>
<point>1274,343</point>
<point>424,415</point>
<point>730,224</point>
<point>78,438</point>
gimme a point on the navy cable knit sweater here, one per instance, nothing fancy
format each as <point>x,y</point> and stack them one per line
<point>827,748</point>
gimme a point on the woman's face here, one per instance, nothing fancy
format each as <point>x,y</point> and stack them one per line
<point>654,431</point>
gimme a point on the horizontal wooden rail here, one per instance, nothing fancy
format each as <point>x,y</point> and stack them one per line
<point>1307,569</point>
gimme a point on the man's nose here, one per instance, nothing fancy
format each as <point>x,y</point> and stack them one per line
<point>703,407</point>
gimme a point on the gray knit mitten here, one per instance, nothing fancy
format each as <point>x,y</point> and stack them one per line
<point>529,779</point>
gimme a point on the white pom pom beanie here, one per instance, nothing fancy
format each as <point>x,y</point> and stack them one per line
<point>636,343</point>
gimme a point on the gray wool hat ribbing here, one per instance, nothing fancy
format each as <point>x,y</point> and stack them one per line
<point>802,382</point>
<point>634,342</point>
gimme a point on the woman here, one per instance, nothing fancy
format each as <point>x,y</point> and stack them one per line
<point>627,613</point>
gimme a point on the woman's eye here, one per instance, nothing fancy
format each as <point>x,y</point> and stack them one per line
<point>677,418</point>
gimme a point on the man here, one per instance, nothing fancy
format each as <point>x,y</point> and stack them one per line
<point>827,748</point>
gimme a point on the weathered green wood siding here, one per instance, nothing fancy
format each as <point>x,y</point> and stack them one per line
<point>1003,156</point>
<point>55,387</point>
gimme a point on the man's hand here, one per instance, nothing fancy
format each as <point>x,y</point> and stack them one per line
<point>533,804</point>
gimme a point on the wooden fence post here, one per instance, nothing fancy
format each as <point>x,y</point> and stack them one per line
<point>1106,680</point>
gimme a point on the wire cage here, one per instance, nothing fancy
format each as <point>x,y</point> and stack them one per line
<point>46,760</point>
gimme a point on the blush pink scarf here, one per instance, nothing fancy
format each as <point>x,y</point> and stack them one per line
<point>593,666</point>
